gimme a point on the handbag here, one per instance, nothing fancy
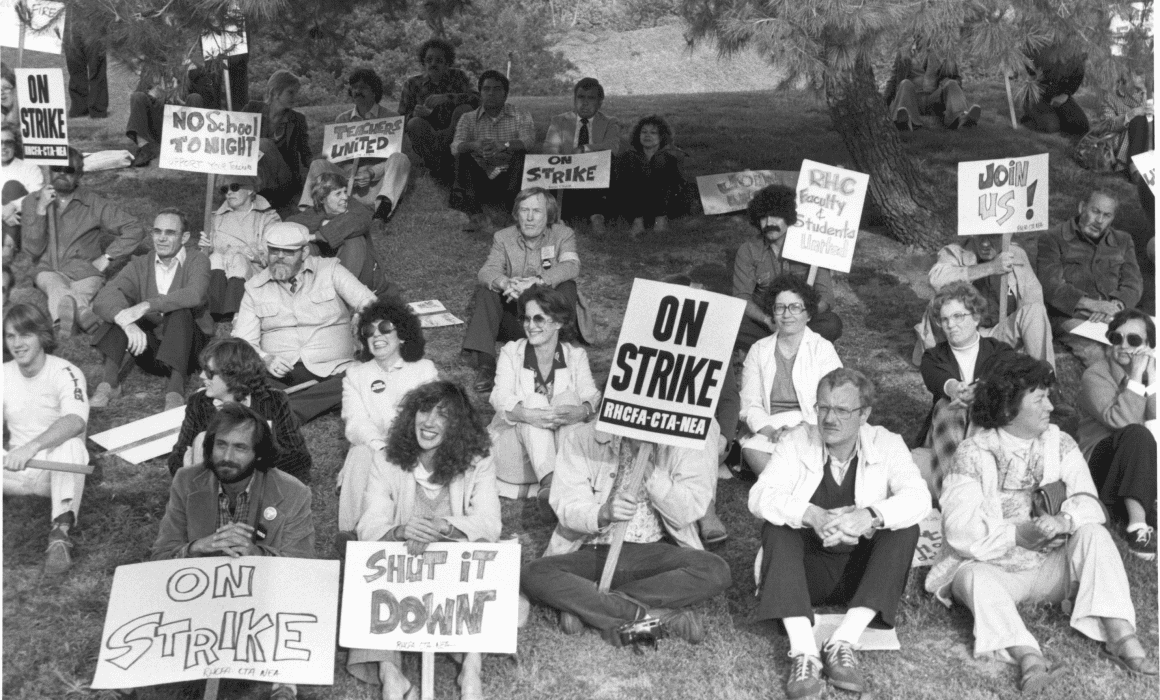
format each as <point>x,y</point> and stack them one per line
<point>1047,499</point>
<point>1097,153</point>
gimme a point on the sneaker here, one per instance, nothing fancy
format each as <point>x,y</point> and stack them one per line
<point>570,624</point>
<point>59,558</point>
<point>1142,543</point>
<point>103,395</point>
<point>684,624</point>
<point>841,666</point>
<point>66,311</point>
<point>384,209</point>
<point>805,678</point>
<point>174,400</point>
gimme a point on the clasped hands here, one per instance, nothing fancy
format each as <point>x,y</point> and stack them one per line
<point>550,417</point>
<point>961,394</point>
<point>1044,533</point>
<point>419,532</point>
<point>233,539</point>
<point>515,286</point>
<point>837,526</point>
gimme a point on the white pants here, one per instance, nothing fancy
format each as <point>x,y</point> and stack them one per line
<point>1028,329</point>
<point>352,484</point>
<point>516,447</point>
<point>64,489</point>
<point>57,286</point>
<point>398,170</point>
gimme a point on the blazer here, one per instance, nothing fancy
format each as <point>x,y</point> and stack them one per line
<point>279,502</point>
<point>389,500</point>
<point>886,478</point>
<point>137,282</point>
<point>514,383</point>
<point>1071,267</point>
<point>603,134</point>
<point>1106,403</point>
<point>938,365</point>
<point>816,357</point>
<point>294,144</point>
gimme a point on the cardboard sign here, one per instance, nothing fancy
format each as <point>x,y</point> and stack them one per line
<point>930,539</point>
<point>231,42</point>
<point>721,194</point>
<point>433,314</point>
<point>669,364</point>
<point>577,171</point>
<point>210,141</point>
<point>217,617</point>
<point>1008,195</point>
<point>47,31</point>
<point>829,207</point>
<point>43,124</point>
<point>455,597</point>
<point>1146,164</point>
<point>372,138</point>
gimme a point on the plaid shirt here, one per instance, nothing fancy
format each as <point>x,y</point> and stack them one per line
<point>419,87</point>
<point>241,506</point>
<point>510,125</point>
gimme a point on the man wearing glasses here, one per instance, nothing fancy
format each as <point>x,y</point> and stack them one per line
<point>297,313</point>
<point>841,514</point>
<point>70,269</point>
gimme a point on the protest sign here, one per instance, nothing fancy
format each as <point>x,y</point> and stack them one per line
<point>1008,195</point>
<point>669,363</point>
<point>47,25</point>
<point>433,314</point>
<point>721,194</point>
<point>576,171</point>
<point>217,617</point>
<point>43,127</point>
<point>229,42</point>
<point>455,597</point>
<point>829,208</point>
<point>1146,164</point>
<point>210,141</point>
<point>930,540</point>
<point>372,138</point>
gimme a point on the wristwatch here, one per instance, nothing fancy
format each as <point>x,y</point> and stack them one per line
<point>507,145</point>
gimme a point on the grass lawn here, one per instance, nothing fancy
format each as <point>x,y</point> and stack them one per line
<point>53,626</point>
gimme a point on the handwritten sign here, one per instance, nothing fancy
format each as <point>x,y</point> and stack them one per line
<point>721,194</point>
<point>1007,195</point>
<point>47,26</point>
<point>217,617</point>
<point>210,141</point>
<point>43,127</point>
<point>829,207</point>
<point>230,42</point>
<point>578,171</point>
<point>1146,164</point>
<point>373,138</point>
<point>455,597</point>
<point>669,363</point>
<point>930,539</point>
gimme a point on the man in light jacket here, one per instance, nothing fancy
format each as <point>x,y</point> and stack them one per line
<point>841,514</point>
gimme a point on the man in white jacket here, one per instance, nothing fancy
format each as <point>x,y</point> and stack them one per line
<point>842,509</point>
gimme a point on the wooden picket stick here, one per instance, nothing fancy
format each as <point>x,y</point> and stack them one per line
<point>631,484</point>
<point>209,186</point>
<point>52,251</point>
<point>350,180</point>
<point>1003,281</point>
<point>60,466</point>
<point>211,689</point>
<point>1010,101</point>
<point>812,276</point>
<point>428,676</point>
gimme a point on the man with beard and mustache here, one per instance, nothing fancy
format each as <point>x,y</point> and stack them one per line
<point>236,503</point>
<point>841,514</point>
<point>297,314</point>
<point>70,270</point>
<point>772,211</point>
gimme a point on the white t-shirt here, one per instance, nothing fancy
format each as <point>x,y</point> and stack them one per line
<point>32,404</point>
<point>26,174</point>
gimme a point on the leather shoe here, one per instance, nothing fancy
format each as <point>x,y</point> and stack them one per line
<point>484,378</point>
<point>59,559</point>
<point>384,209</point>
<point>145,155</point>
<point>841,666</point>
<point>570,624</point>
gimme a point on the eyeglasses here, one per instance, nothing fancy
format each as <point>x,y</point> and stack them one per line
<point>62,169</point>
<point>954,319</point>
<point>232,187</point>
<point>791,309</point>
<point>8,142</point>
<point>537,320</point>
<point>382,328</point>
<point>1118,338</point>
<point>282,252</point>
<point>841,413</point>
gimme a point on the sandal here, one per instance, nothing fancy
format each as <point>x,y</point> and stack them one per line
<point>1136,665</point>
<point>1036,675</point>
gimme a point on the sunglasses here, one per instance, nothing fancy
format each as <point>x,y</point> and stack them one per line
<point>232,187</point>
<point>383,327</point>
<point>538,319</point>
<point>1118,339</point>
<point>8,142</point>
<point>62,169</point>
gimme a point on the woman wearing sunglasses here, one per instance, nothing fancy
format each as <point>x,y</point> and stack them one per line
<point>543,387</point>
<point>391,347</point>
<point>1117,399</point>
<point>236,241</point>
<point>341,226</point>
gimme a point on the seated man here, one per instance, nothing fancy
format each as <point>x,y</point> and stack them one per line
<point>46,413</point>
<point>156,308</point>
<point>980,260</point>
<point>489,147</point>
<point>1087,268</point>
<point>433,102</point>
<point>841,516</point>
<point>926,85</point>
<point>584,130</point>
<point>772,211</point>
<point>1059,72</point>
<point>70,274</point>
<point>147,106</point>
<point>297,314</point>
<point>236,504</point>
<point>654,580</point>
<point>379,182</point>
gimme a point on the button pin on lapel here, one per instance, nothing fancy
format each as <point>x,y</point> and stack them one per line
<point>270,513</point>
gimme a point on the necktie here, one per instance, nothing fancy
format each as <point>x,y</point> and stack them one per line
<point>293,284</point>
<point>582,139</point>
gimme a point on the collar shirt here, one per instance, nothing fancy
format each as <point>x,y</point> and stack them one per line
<point>510,124</point>
<point>241,509</point>
<point>164,273</point>
<point>757,264</point>
<point>377,111</point>
<point>839,469</point>
<point>419,87</point>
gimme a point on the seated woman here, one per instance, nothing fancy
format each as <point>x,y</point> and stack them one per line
<point>46,413</point>
<point>285,142</point>
<point>20,177</point>
<point>1115,403</point>
<point>648,179</point>
<point>233,372</point>
<point>391,349</point>
<point>236,241</point>
<point>543,388</point>
<point>779,380</point>
<point>342,228</point>
<point>435,483</point>
<point>952,368</point>
<point>926,84</point>
<point>999,551</point>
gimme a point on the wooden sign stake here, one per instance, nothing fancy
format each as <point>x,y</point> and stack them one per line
<point>631,484</point>
<point>1010,101</point>
<point>428,682</point>
<point>60,466</point>
<point>1003,282</point>
<point>813,275</point>
<point>211,689</point>
<point>350,180</point>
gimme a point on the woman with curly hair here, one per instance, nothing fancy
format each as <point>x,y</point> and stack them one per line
<point>648,177</point>
<point>233,372</point>
<point>392,345</point>
<point>341,226</point>
<point>435,483</point>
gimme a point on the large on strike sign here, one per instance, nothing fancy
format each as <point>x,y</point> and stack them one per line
<point>669,364</point>
<point>43,128</point>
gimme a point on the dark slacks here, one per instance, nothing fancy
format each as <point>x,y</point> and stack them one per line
<point>311,402</point>
<point>473,189</point>
<point>650,187</point>
<point>729,405</point>
<point>431,141</point>
<point>147,114</point>
<point>225,294</point>
<point>647,576</point>
<point>583,204</point>
<point>13,190</point>
<point>799,573</point>
<point>496,319</point>
<point>1123,465</point>
<point>826,324</point>
<point>173,343</point>
<point>1068,118</point>
<point>88,82</point>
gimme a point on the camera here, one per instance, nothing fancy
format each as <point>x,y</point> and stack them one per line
<point>645,631</point>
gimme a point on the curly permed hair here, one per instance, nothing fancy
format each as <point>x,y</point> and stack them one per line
<point>465,438</point>
<point>406,325</point>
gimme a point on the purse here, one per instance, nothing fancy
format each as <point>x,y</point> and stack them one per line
<point>1047,499</point>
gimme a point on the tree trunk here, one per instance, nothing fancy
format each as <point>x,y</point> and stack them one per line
<point>913,214</point>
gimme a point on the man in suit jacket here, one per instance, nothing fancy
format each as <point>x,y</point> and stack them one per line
<point>156,308</point>
<point>585,130</point>
<point>236,504</point>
